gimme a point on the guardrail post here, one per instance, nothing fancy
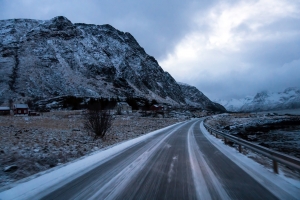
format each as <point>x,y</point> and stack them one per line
<point>275,166</point>
<point>271,154</point>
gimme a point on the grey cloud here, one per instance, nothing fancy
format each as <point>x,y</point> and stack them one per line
<point>271,53</point>
<point>282,25</point>
<point>159,25</point>
<point>239,85</point>
<point>272,65</point>
<point>165,22</point>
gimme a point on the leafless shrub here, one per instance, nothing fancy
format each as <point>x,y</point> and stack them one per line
<point>97,121</point>
<point>223,121</point>
<point>119,110</point>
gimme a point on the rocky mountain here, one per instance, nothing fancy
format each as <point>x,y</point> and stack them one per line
<point>265,100</point>
<point>195,98</point>
<point>54,58</point>
<point>234,105</point>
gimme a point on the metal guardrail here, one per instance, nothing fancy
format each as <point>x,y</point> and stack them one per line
<point>275,156</point>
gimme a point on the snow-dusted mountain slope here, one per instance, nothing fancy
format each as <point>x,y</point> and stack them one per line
<point>262,101</point>
<point>45,59</point>
<point>195,98</point>
<point>234,105</point>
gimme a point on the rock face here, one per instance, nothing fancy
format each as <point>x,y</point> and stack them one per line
<point>197,99</point>
<point>263,101</point>
<point>46,59</point>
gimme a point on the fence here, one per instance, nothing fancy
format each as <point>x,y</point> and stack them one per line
<point>275,156</point>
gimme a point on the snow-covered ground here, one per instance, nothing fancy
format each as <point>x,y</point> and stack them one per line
<point>70,171</point>
<point>29,145</point>
<point>60,174</point>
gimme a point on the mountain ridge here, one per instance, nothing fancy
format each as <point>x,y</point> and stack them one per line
<point>43,59</point>
<point>264,101</point>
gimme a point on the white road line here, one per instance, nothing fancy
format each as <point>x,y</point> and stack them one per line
<point>119,182</point>
<point>199,182</point>
<point>272,182</point>
<point>197,170</point>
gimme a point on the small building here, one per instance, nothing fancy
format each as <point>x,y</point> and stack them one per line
<point>21,109</point>
<point>156,108</point>
<point>4,110</point>
<point>123,107</point>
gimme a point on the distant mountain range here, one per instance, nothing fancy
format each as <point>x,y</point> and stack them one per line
<point>264,101</point>
<point>44,59</point>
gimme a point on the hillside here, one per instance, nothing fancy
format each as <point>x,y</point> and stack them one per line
<point>196,98</point>
<point>53,58</point>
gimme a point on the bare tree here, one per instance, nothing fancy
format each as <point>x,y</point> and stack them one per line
<point>119,110</point>
<point>11,104</point>
<point>97,121</point>
<point>223,121</point>
<point>30,103</point>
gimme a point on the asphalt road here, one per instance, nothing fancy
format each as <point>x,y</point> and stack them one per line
<point>178,163</point>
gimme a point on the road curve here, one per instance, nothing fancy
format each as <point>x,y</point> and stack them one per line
<point>178,163</point>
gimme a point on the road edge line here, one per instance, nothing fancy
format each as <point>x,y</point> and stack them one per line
<point>63,175</point>
<point>276,185</point>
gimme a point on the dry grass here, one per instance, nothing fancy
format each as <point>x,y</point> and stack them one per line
<point>38,143</point>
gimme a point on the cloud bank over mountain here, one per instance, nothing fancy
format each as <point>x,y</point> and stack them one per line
<point>226,49</point>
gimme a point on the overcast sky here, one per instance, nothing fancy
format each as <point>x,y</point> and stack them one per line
<point>226,48</point>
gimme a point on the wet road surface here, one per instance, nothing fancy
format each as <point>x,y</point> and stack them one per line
<point>177,163</point>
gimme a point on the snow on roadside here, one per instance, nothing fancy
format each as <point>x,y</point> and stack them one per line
<point>122,179</point>
<point>279,185</point>
<point>30,189</point>
<point>30,145</point>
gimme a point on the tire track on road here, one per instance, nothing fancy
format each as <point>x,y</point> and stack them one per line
<point>118,183</point>
<point>206,183</point>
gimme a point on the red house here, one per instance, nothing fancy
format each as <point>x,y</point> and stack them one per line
<point>21,109</point>
<point>157,108</point>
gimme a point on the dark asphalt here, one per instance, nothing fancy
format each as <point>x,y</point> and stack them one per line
<point>178,163</point>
